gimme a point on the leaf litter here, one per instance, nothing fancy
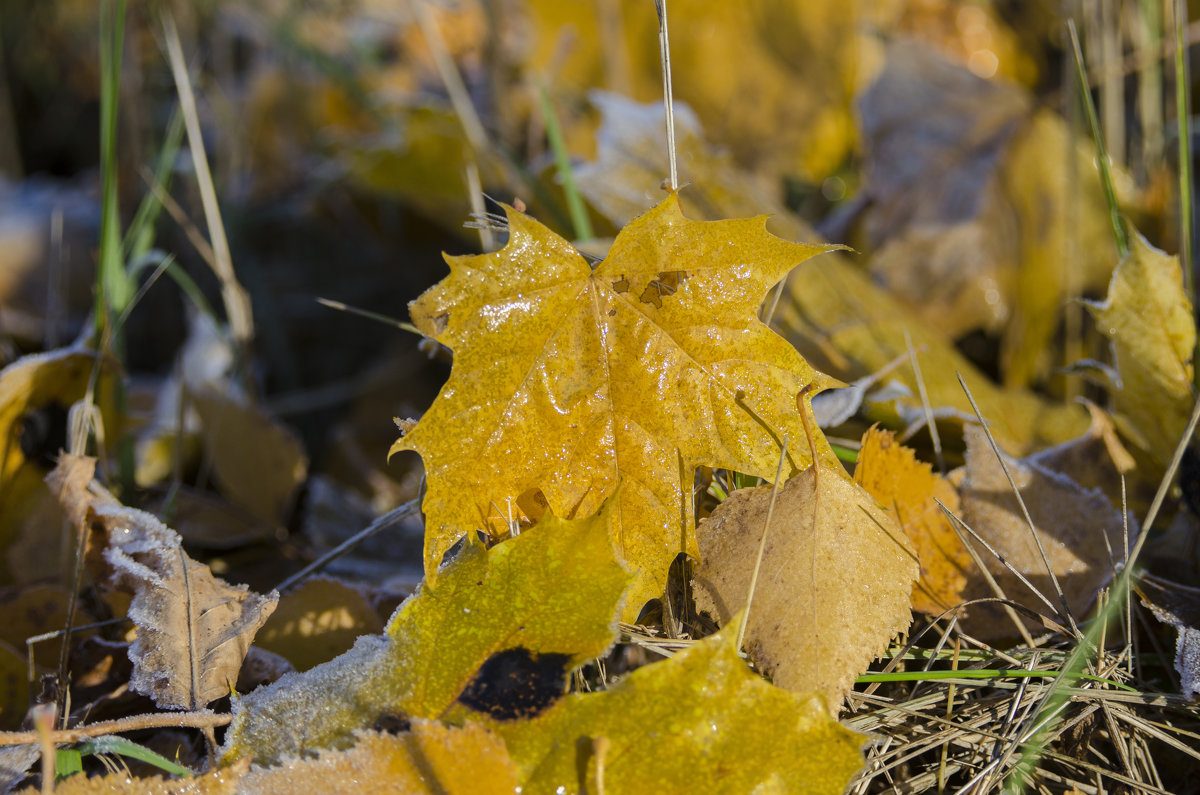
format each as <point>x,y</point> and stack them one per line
<point>387,126</point>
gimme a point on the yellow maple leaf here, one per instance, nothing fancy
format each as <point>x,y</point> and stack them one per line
<point>568,379</point>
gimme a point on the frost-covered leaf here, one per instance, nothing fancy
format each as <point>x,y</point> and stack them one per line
<point>568,380</point>
<point>1072,523</point>
<point>698,722</point>
<point>909,490</point>
<point>194,629</point>
<point>1177,605</point>
<point>429,758</point>
<point>1148,319</point>
<point>499,627</point>
<point>834,584</point>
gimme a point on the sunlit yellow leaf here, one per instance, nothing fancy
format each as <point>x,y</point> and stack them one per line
<point>318,621</point>
<point>568,380</point>
<point>1148,319</point>
<point>832,310</point>
<point>698,722</point>
<point>908,488</point>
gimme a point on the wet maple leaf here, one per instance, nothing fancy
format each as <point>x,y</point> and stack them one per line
<point>569,379</point>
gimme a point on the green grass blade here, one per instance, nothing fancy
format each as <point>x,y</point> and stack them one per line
<point>139,237</point>
<point>562,159</point>
<point>1101,152</point>
<point>113,744</point>
<point>114,288</point>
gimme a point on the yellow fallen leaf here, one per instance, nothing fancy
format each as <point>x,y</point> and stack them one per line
<point>834,584</point>
<point>837,316</point>
<point>318,621</point>
<point>36,394</point>
<point>908,488</point>
<point>1148,319</point>
<point>625,178</point>
<point>428,758</point>
<point>698,722</point>
<point>568,380</point>
<point>258,462</point>
<point>783,113</point>
<point>1066,242</point>
<point>499,628</point>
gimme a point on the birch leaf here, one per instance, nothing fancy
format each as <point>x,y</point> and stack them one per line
<point>567,380</point>
<point>834,584</point>
<point>194,629</point>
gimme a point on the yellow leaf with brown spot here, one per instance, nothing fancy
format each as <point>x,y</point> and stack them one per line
<point>891,473</point>
<point>569,379</point>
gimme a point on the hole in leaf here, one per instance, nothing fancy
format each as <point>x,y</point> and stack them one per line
<point>517,683</point>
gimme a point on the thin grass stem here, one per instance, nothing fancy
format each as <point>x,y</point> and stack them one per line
<point>1102,160</point>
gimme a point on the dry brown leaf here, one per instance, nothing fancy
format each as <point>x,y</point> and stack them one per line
<point>258,463</point>
<point>318,621</point>
<point>908,488</point>
<point>193,628</point>
<point>1095,460</point>
<point>1072,522</point>
<point>429,758</point>
<point>834,586</point>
